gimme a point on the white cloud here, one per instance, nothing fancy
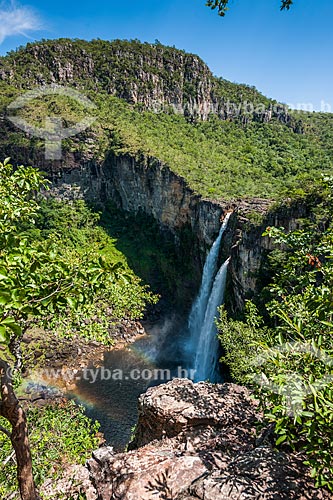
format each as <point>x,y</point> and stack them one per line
<point>16,19</point>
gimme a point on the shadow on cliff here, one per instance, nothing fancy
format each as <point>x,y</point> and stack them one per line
<point>154,257</point>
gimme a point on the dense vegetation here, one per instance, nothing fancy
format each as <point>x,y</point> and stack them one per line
<point>75,230</point>
<point>157,261</point>
<point>217,158</point>
<point>59,436</point>
<point>241,155</point>
<point>286,356</point>
<point>70,231</point>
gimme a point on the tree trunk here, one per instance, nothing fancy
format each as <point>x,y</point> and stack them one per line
<point>12,411</point>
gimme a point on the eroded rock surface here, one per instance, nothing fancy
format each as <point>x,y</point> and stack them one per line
<point>74,483</point>
<point>198,441</point>
<point>181,408</point>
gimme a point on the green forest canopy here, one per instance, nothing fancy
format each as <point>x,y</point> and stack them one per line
<point>241,156</point>
<point>219,159</point>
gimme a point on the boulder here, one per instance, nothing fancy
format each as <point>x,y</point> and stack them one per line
<point>184,408</point>
<point>198,441</point>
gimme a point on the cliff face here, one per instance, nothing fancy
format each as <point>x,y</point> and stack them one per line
<point>149,187</point>
<point>139,73</point>
<point>145,186</point>
<point>250,248</point>
<point>151,75</point>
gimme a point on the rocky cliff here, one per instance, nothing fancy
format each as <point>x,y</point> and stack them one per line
<point>250,248</point>
<point>198,441</point>
<point>147,187</point>
<point>151,75</point>
<point>150,187</point>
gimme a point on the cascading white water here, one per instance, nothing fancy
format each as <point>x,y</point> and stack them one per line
<point>198,311</point>
<point>200,323</point>
<point>206,359</point>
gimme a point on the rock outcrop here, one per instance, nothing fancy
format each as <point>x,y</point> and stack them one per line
<point>74,484</point>
<point>250,248</point>
<point>153,76</point>
<point>198,441</point>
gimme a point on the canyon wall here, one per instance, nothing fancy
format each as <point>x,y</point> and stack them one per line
<point>146,186</point>
<point>149,187</point>
<point>248,265</point>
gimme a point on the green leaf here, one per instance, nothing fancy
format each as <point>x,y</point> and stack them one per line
<point>281,439</point>
<point>4,337</point>
<point>3,274</point>
<point>71,302</point>
<point>12,324</point>
<point>5,298</point>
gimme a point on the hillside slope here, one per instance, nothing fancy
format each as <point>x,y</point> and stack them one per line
<point>151,74</point>
<point>158,101</point>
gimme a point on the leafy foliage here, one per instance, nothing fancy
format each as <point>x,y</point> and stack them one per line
<point>293,364</point>
<point>74,229</point>
<point>222,5</point>
<point>241,342</point>
<point>217,158</point>
<point>58,275</point>
<point>59,435</point>
<point>156,260</point>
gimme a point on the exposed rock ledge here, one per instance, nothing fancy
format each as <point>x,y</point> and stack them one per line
<point>197,441</point>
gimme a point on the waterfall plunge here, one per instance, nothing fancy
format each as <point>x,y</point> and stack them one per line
<point>206,357</point>
<point>201,324</point>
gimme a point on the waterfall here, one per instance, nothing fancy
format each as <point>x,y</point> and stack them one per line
<point>201,323</point>
<point>206,357</point>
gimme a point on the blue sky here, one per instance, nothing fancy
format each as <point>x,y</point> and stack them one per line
<point>286,55</point>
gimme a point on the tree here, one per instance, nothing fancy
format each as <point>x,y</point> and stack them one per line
<point>35,282</point>
<point>222,5</point>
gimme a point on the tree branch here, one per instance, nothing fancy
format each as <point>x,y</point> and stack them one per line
<point>58,290</point>
<point>222,5</point>
<point>5,431</point>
